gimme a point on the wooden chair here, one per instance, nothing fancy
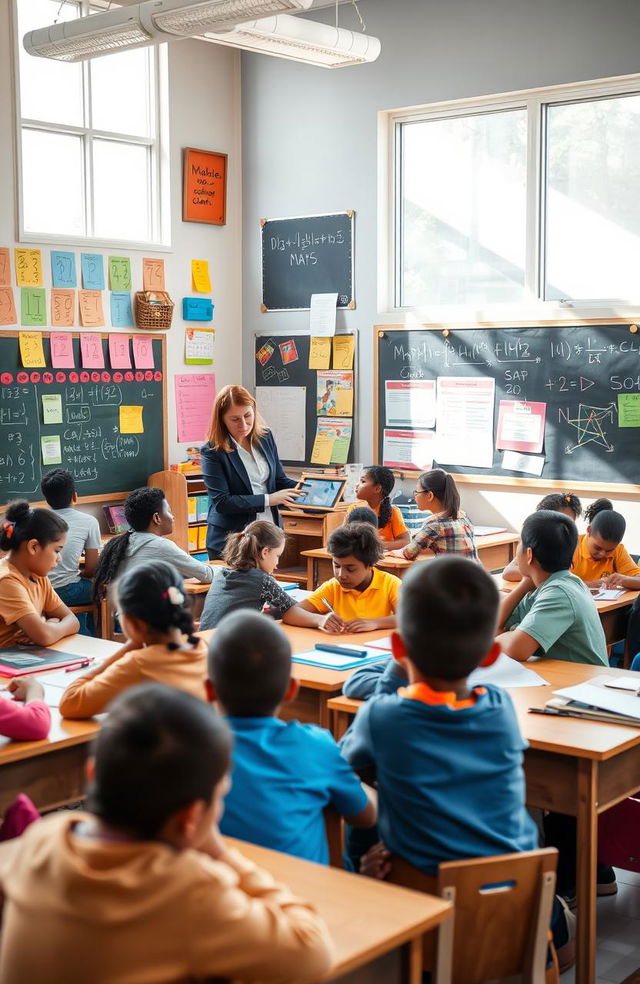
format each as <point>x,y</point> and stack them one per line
<point>500,926</point>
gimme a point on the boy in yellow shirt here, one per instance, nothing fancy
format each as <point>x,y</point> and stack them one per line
<point>360,597</point>
<point>601,559</point>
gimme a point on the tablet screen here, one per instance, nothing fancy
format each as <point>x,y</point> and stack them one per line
<point>320,492</point>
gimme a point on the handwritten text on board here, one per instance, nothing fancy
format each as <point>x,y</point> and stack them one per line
<point>195,394</point>
<point>204,187</point>
<point>62,350</point>
<point>62,307</point>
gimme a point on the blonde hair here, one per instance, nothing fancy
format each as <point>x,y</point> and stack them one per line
<point>242,550</point>
<point>232,396</point>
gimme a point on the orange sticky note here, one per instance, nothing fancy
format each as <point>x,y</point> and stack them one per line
<point>28,268</point>
<point>91,313</point>
<point>152,274</point>
<point>8,314</point>
<point>62,307</point>
<point>5,267</point>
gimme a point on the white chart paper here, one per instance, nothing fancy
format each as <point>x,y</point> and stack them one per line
<point>464,429</point>
<point>322,314</point>
<point>408,449</point>
<point>283,407</point>
<point>530,464</point>
<point>410,403</point>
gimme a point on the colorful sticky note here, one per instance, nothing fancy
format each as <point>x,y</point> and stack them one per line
<point>31,350</point>
<point>62,350</point>
<point>92,271</point>
<point>322,448</point>
<point>5,267</point>
<point>33,308</point>
<point>91,313</point>
<point>629,410</point>
<point>28,268</point>
<point>51,450</point>
<point>51,408</point>
<point>63,268</point>
<point>343,349</point>
<point>63,303</point>
<point>200,276</point>
<point>8,314</point>
<point>143,352</point>
<point>121,313</point>
<point>119,356</point>
<point>153,274</point>
<point>91,350</point>
<point>320,352</point>
<point>131,420</point>
<point>119,272</point>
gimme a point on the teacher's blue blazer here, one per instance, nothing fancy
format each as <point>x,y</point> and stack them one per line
<point>232,502</point>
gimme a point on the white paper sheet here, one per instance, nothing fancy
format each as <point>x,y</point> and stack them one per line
<point>608,594</point>
<point>410,403</point>
<point>603,698</point>
<point>464,428</point>
<point>283,408</point>
<point>408,449</point>
<point>530,464</point>
<point>322,314</point>
<point>506,672</point>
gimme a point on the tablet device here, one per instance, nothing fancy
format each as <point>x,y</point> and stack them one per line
<point>319,493</point>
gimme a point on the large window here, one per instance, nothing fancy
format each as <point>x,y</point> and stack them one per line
<point>532,198</point>
<point>90,147</point>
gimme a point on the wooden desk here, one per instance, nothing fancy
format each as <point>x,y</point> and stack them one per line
<point>579,768</point>
<point>304,531</point>
<point>494,550</point>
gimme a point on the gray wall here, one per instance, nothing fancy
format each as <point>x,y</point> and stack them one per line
<point>309,135</point>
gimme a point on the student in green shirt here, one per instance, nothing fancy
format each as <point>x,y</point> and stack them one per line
<point>551,612</point>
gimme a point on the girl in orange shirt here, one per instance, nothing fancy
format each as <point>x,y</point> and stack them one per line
<point>375,488</point>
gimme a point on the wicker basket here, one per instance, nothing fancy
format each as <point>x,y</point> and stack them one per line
<point>154,309</point>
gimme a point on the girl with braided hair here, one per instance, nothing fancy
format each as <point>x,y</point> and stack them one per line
<point>374,489</point>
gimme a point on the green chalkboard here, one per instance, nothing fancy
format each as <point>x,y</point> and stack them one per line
<point>103,461</point>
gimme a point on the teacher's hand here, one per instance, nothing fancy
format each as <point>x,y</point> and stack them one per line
<point>284,497</point>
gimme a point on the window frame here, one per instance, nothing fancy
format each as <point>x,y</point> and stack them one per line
<point>533,306</point>
<point>157,153</point>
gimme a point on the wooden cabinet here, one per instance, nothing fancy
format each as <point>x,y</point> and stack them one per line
<point>305,531</point>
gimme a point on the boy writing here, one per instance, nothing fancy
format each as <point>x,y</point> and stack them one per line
<point>143,887</point>
<point>284,773</point>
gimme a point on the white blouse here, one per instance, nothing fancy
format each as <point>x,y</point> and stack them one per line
<point>257,470</point>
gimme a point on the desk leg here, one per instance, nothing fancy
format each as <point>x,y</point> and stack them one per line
<point>587,849</point>
<point>311,574</point>
<point>412,961</point>
<point>341,721</point>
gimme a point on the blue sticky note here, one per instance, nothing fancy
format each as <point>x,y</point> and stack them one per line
<point>92,271</point>
<point>63,268</point>
<point>121,313</point>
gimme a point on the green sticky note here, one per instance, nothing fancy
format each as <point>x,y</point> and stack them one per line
<point>51,450</point>
<point>51,408</point>
<point>120,273</point>
<point>33,307</point>
<point>629,410</point>
<point>340,451</point>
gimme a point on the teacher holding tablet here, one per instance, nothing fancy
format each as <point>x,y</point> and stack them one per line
<point>241,469</point>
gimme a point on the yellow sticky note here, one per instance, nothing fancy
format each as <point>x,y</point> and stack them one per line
<point>344,403</point>
<point>131,420</point>
<point>319,352</point>
<point>28,268</point>
<point>31,350</point>
<point>322,449</point>
<point>200,276</point>
<point>343,349</point>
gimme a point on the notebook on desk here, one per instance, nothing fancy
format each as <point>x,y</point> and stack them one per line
<point>21,660</point>
<point>596,700</point>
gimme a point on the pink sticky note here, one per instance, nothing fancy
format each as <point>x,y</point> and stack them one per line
<point>91,349</point>
<point>143,352</point>
<point>62,350</point>
<point>119,352</point>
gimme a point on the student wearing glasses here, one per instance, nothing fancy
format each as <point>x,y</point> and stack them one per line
<point>447,529</point>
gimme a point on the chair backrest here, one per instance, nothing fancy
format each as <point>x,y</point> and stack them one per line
<point>502,911</point>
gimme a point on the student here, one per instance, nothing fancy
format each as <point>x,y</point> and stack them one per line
<point>30,610</point>
<point>375,488</point>
<point>362,514</point>
<point>360,597</point>
<point>550,613</point>
<point>566,503</point>
<point>284,773</point>
<point>247,582</point>
<point>73,586</point>
<point>142,887</point>
<point>448,529</point>
<point>600,559</point>
<point>148,514</point>
<point>27,721</point>
<point>156,619</point>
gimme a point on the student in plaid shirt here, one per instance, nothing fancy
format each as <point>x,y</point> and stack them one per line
<point>448,529</point>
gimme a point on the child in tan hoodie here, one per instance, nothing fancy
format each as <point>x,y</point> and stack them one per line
<point>143,888</point>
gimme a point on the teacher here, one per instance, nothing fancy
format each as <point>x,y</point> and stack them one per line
<point>241,469</point>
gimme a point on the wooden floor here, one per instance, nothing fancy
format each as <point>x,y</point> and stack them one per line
<point>618,951</point>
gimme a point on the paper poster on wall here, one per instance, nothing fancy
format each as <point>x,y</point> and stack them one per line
<point>33,307</point>
<point>284,408</point>
<point>143,352</point>
<point>92,267</point>
<point>120,307</point>
<point>408,449</point>
<point>28,268</point>
<point>521,426</point>
<point>51,449</point>
<point>90,305</point>
<point>119,355</point>
<point>322,314</point>
<point>63,305</point>
<point>334,394</point>
<point>332,441</point>
<point>288,352</point>
<point>464,427</point>
<point>152,274</point>
<point>410,403</point>
<point>63,269</point>
<point>61,346</point>
<point>628,409</point>
<point>91,351</point>
<point>264,354</point>
<point>31,350</point>
<point>344,347</point>
<point>195,393</point>
<point>198,346</point>
<point>530,464</point>
<point>52,408</point>
<point>8,313</point>
<point>319,352</point>
<point>119,273</point>
<point>5,267</point>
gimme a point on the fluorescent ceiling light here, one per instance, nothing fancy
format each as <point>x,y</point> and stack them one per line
<point>146,23</point>
<point>301,40</point>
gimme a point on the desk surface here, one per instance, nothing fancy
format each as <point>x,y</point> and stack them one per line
<point>627,598</point>
<point>490,540</point>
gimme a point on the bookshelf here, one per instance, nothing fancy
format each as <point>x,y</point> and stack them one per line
<point>189,502</point>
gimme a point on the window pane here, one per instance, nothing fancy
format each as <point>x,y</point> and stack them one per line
<point>463,209</point>
<point>53,195</point>
<point>593,199</point>
<point>121,190</point>
<point>120,92</point>
<point>50,91</point>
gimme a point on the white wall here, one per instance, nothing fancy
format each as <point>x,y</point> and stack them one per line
<point>310,141</point>
<point>204,96</point>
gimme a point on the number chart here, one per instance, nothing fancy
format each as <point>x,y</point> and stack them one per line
<point>107,426</point>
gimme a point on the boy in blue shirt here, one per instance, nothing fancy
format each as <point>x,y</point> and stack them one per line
<point>284,773</point>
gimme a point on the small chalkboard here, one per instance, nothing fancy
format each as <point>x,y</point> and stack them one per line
<point>307,255</point>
